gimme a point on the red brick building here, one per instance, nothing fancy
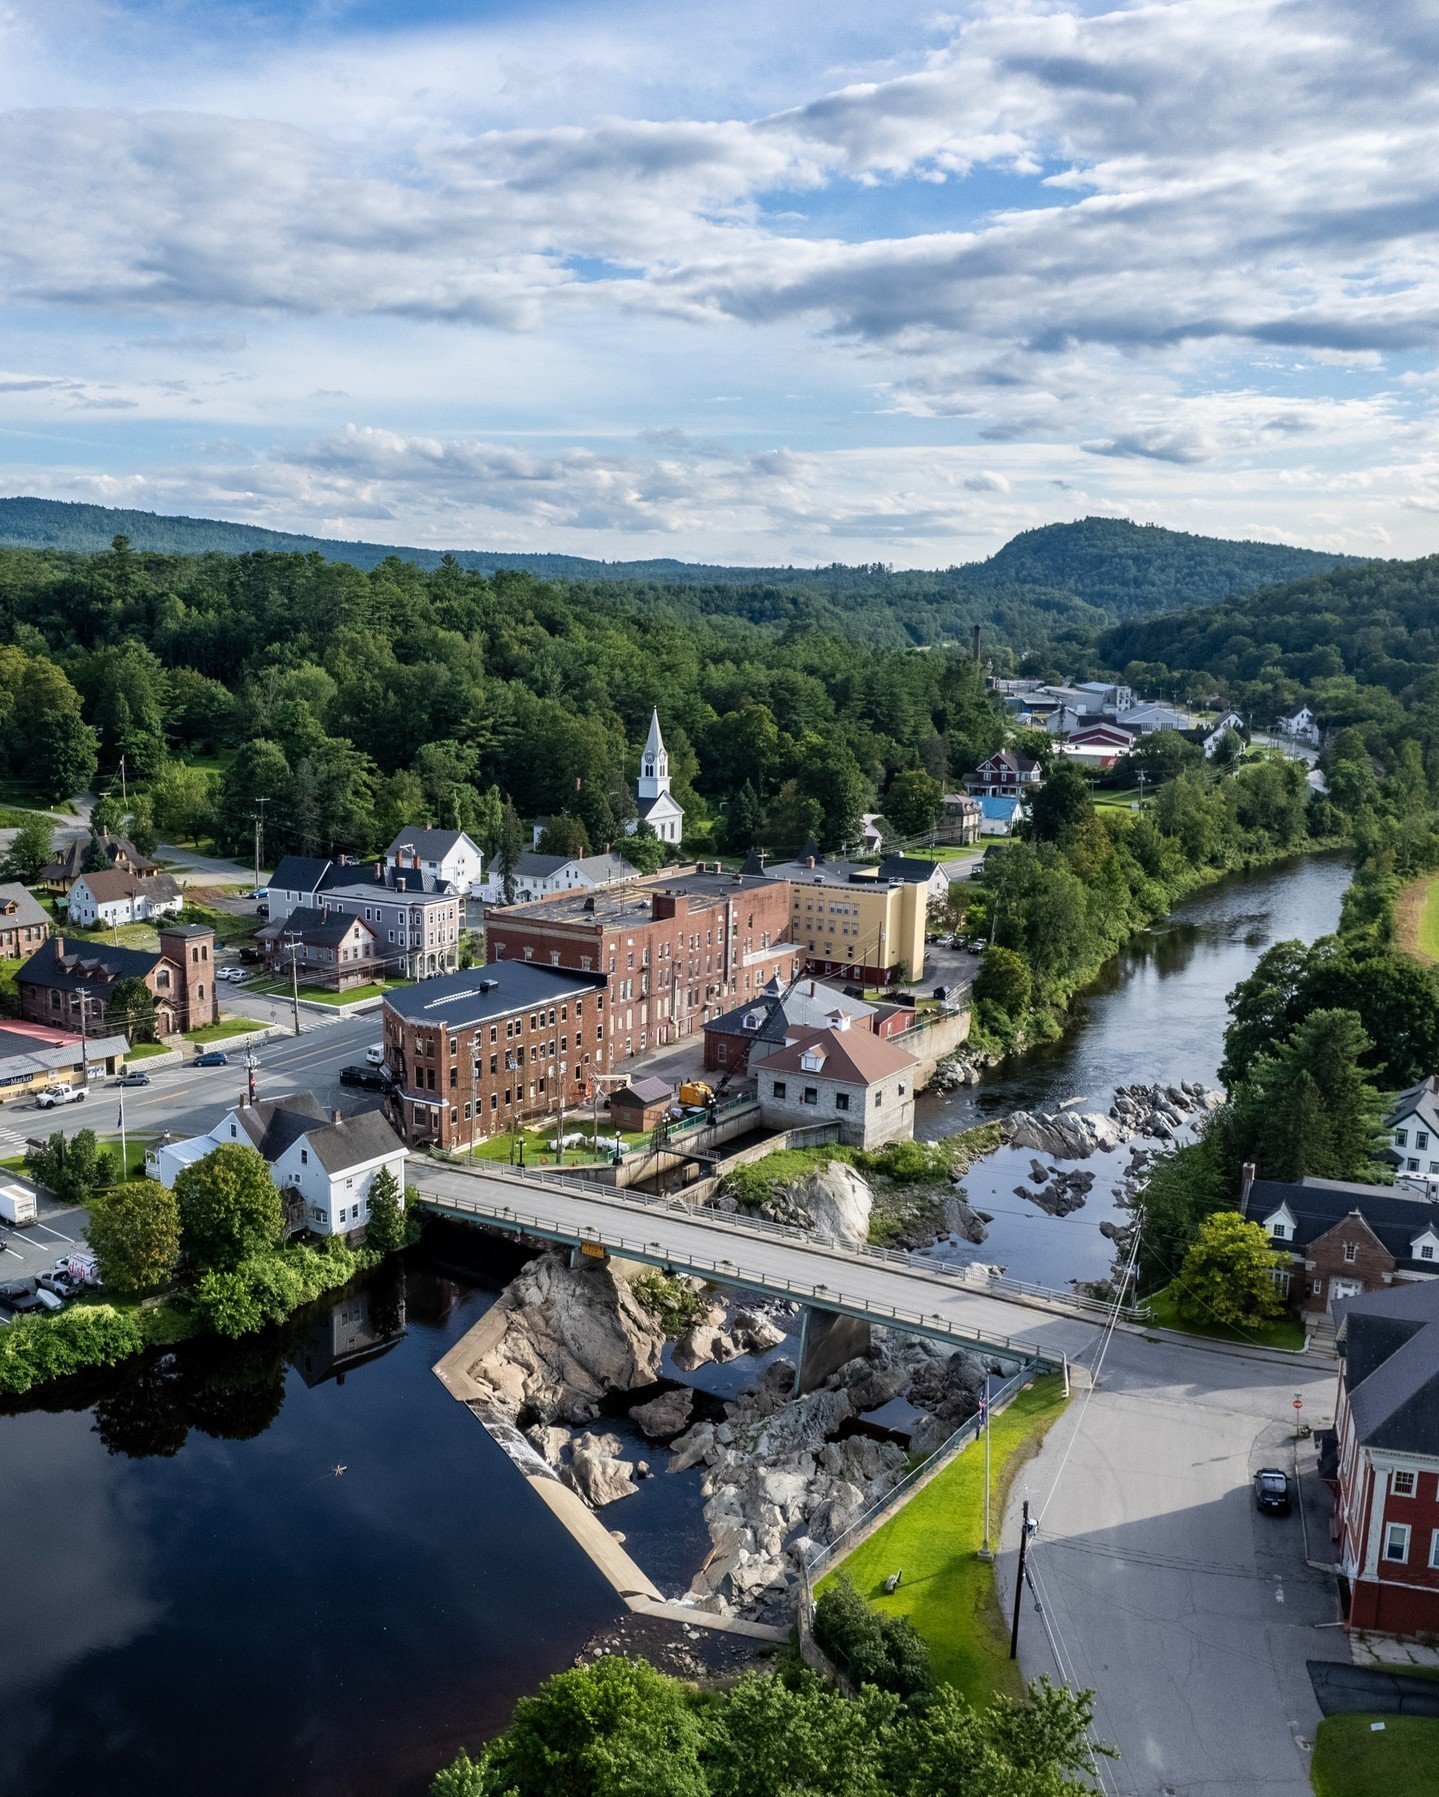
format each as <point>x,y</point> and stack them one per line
<point>67,981</point>
<point>24,924</point>
<point>1382,1460</point>
<point>1342,1238</point>
<point>474,1053</point>
<point>677,950</point>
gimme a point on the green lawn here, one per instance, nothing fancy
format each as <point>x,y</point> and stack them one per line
<point>226,1027</point>
<point>1416,918</point>
<point>1351,1759</point>
<point>946,1592</point>
<point>1285,1332</point>
<point>141,1051</point>
<point>539,1154</point>
<point>9,1004</point>
<point>352,994</point>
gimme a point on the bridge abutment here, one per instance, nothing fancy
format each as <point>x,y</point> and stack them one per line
<point>826,1342</point>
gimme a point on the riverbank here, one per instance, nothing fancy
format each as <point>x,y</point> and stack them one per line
<point>1416,919</point>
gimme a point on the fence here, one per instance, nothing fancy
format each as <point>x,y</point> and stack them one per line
<point>879,1511</point>
<point>979,1278</point>
<point>728,1272</point>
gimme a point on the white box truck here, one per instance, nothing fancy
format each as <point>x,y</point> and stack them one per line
<point>17,1206</point>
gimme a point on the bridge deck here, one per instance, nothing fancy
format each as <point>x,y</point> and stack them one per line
<point>723,1248</point>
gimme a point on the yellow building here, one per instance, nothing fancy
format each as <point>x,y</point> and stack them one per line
<point>848,921</point>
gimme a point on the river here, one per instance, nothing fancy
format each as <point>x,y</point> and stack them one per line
<point>1156,1012</point>
<point>298,1565</point>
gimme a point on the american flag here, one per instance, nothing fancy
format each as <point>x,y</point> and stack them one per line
<point>983,1405</point>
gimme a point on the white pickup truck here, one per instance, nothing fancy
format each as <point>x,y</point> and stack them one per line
<point>53,1095</point>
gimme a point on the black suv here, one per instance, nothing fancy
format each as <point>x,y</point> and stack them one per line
<point>1271,1491</point>
<point>373,1079</point>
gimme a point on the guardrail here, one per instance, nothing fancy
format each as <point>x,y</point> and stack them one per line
<point>965,1433</point>
<point>997,1285</point>
<point>728,1272</point>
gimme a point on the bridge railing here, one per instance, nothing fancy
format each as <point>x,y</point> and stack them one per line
<point>729,1272</point>
<point>967,1431</point>
<point>997,1285</point>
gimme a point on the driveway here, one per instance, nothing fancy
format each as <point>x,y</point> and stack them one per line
<point>1187,1613</point>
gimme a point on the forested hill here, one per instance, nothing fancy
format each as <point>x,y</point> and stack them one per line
<point>1133,570</point>
<point>1359,644</point>
<point>1061,578</point>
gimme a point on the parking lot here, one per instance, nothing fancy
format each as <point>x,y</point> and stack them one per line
<point>26,1252</point>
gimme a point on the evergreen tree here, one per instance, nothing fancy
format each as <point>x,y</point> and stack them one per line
<point>508,849</point>
<point>387,1228</point>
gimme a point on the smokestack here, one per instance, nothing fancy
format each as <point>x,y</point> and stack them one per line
<point>1246,1181</point>
<point>974,643</point>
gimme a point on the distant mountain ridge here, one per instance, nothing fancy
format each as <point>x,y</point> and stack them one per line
<point>1059,576</point>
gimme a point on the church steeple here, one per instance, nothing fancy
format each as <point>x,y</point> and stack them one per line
<point>654,777</point>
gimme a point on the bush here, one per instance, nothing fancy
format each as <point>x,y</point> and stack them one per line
<point>266,1288</point>
<point>672,1303</point>
<point>35,1349</point>
<point>885,1651</point>
<point>908,1163</point>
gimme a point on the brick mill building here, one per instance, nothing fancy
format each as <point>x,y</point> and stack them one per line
<point>1382,1459</point>
<point>472,1054</point>
<point>677,950</point>
<point>67,981</point>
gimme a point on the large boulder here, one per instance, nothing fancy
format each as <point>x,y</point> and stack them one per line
<point>599,1472</point>
<point>1067,1135</point>
<point>830,1199</point>
<point>665,1415</point>
<point>562,1338</point>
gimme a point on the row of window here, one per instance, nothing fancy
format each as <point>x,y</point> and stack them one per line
<point>810,1095</point>
<point>1421,1138</point>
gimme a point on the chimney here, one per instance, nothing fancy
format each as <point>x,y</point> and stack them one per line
<point>1246,1181</point>
<point>974,643</point>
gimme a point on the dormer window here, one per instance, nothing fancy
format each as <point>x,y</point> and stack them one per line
<point>811,1061</point>
<point>1351,1251</point>
<point>1279,1231</point>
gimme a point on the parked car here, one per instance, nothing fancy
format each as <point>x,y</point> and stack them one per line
<point>373,1079</point>
<point>375,1054</point>
<point>53,1095</point>
<point>57,1285</point>
<point>262,909</point>
<point>1271,1491</point>
<point>133,1076</point>
<point>212,1057</point>
<point>21,1299</point>
<point>261,892</point>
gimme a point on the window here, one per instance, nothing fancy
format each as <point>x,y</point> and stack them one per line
<point>1278,1231</point>
<point>877,1097</point>
<point>1421,1138</point>
<point>1351,1250</point>
<point>1401,1139</point>
<point>811,1095</point>
<point>841,1101</point>
<point>1396,1542</point>
<point>1406,1483</point>
<point>1434,1549</point>
<point>1427,1251</point>
<point>779,1088</point>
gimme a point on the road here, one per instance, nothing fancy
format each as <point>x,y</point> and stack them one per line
<point>734,1252</point>
<point>1188,1613</point>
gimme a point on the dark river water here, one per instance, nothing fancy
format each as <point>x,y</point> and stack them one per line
<point>1157,1012</point>
<point>298,1565</point>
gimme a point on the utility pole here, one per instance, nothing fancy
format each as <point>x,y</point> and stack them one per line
<point>124,797</point>
<point>1026,1530</point>
<point>259,837</point>
<point>295,984</point>
<point>986,1552</point>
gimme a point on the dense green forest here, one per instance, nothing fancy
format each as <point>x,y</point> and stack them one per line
<point>354,701</point>
<point>1071,578</point>
<point>1361,645</point>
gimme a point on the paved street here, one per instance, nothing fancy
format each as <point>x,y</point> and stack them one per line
<point>1188,1613</point>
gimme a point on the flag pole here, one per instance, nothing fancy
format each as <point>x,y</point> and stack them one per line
<point>986,1552</point>
<point>124,1145</point>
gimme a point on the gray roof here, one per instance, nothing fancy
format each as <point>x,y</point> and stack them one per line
<point>72,965</point>
<point>1396,1214</point>
<point>311,924</point>
<point>907,868</point>
<point>460,1000</point>
<point>1422,1100</point>
<point>1390,1344</point>
<point>276,1124</point>
<point>808,1006</point>
<point>647,1091</point>
<point>27,910</point>
<point>299,873</point>
<point>835,870</point>
<point>348,880</point>
<point>431,845</point>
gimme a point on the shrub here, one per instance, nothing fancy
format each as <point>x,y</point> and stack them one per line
<point>886,1651</point>
<point>673,1304</point>
<point>35,1349</point>
<point>266,1288</point>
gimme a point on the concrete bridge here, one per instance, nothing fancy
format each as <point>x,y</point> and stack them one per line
<point>842,1289</point>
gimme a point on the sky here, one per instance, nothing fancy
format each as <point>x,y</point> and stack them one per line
<point>766,283</point>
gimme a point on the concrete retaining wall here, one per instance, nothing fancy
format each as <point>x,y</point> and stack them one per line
<point>930,1043</point>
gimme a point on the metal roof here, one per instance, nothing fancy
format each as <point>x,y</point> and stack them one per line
<point>460,1000</point>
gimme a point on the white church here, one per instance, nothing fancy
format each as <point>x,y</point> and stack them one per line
<point>657,807</point>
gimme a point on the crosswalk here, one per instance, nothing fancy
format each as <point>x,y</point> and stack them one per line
<point>11,1144</point>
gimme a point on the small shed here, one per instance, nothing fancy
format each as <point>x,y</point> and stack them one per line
<point>641,1104</point>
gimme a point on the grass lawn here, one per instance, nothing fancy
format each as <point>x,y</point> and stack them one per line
<point>226,1027</point>
<point>1284,1332</point>
<point>538,1153</point>
<point>1416,918</point>
<point>1352,1760</point>
<point>352,994</point>
<point>141,1051</point>
<point>8,970</point>
<point>947,1593</point>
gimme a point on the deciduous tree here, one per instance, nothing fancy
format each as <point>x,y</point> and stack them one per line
<point>230,1208</point>
<point>1226,1276</point>
<point>135,1232</point>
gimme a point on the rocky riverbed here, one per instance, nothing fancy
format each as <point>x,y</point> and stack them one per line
<point>782,1475</point>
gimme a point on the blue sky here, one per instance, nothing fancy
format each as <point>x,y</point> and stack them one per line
<point>760,284</point>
